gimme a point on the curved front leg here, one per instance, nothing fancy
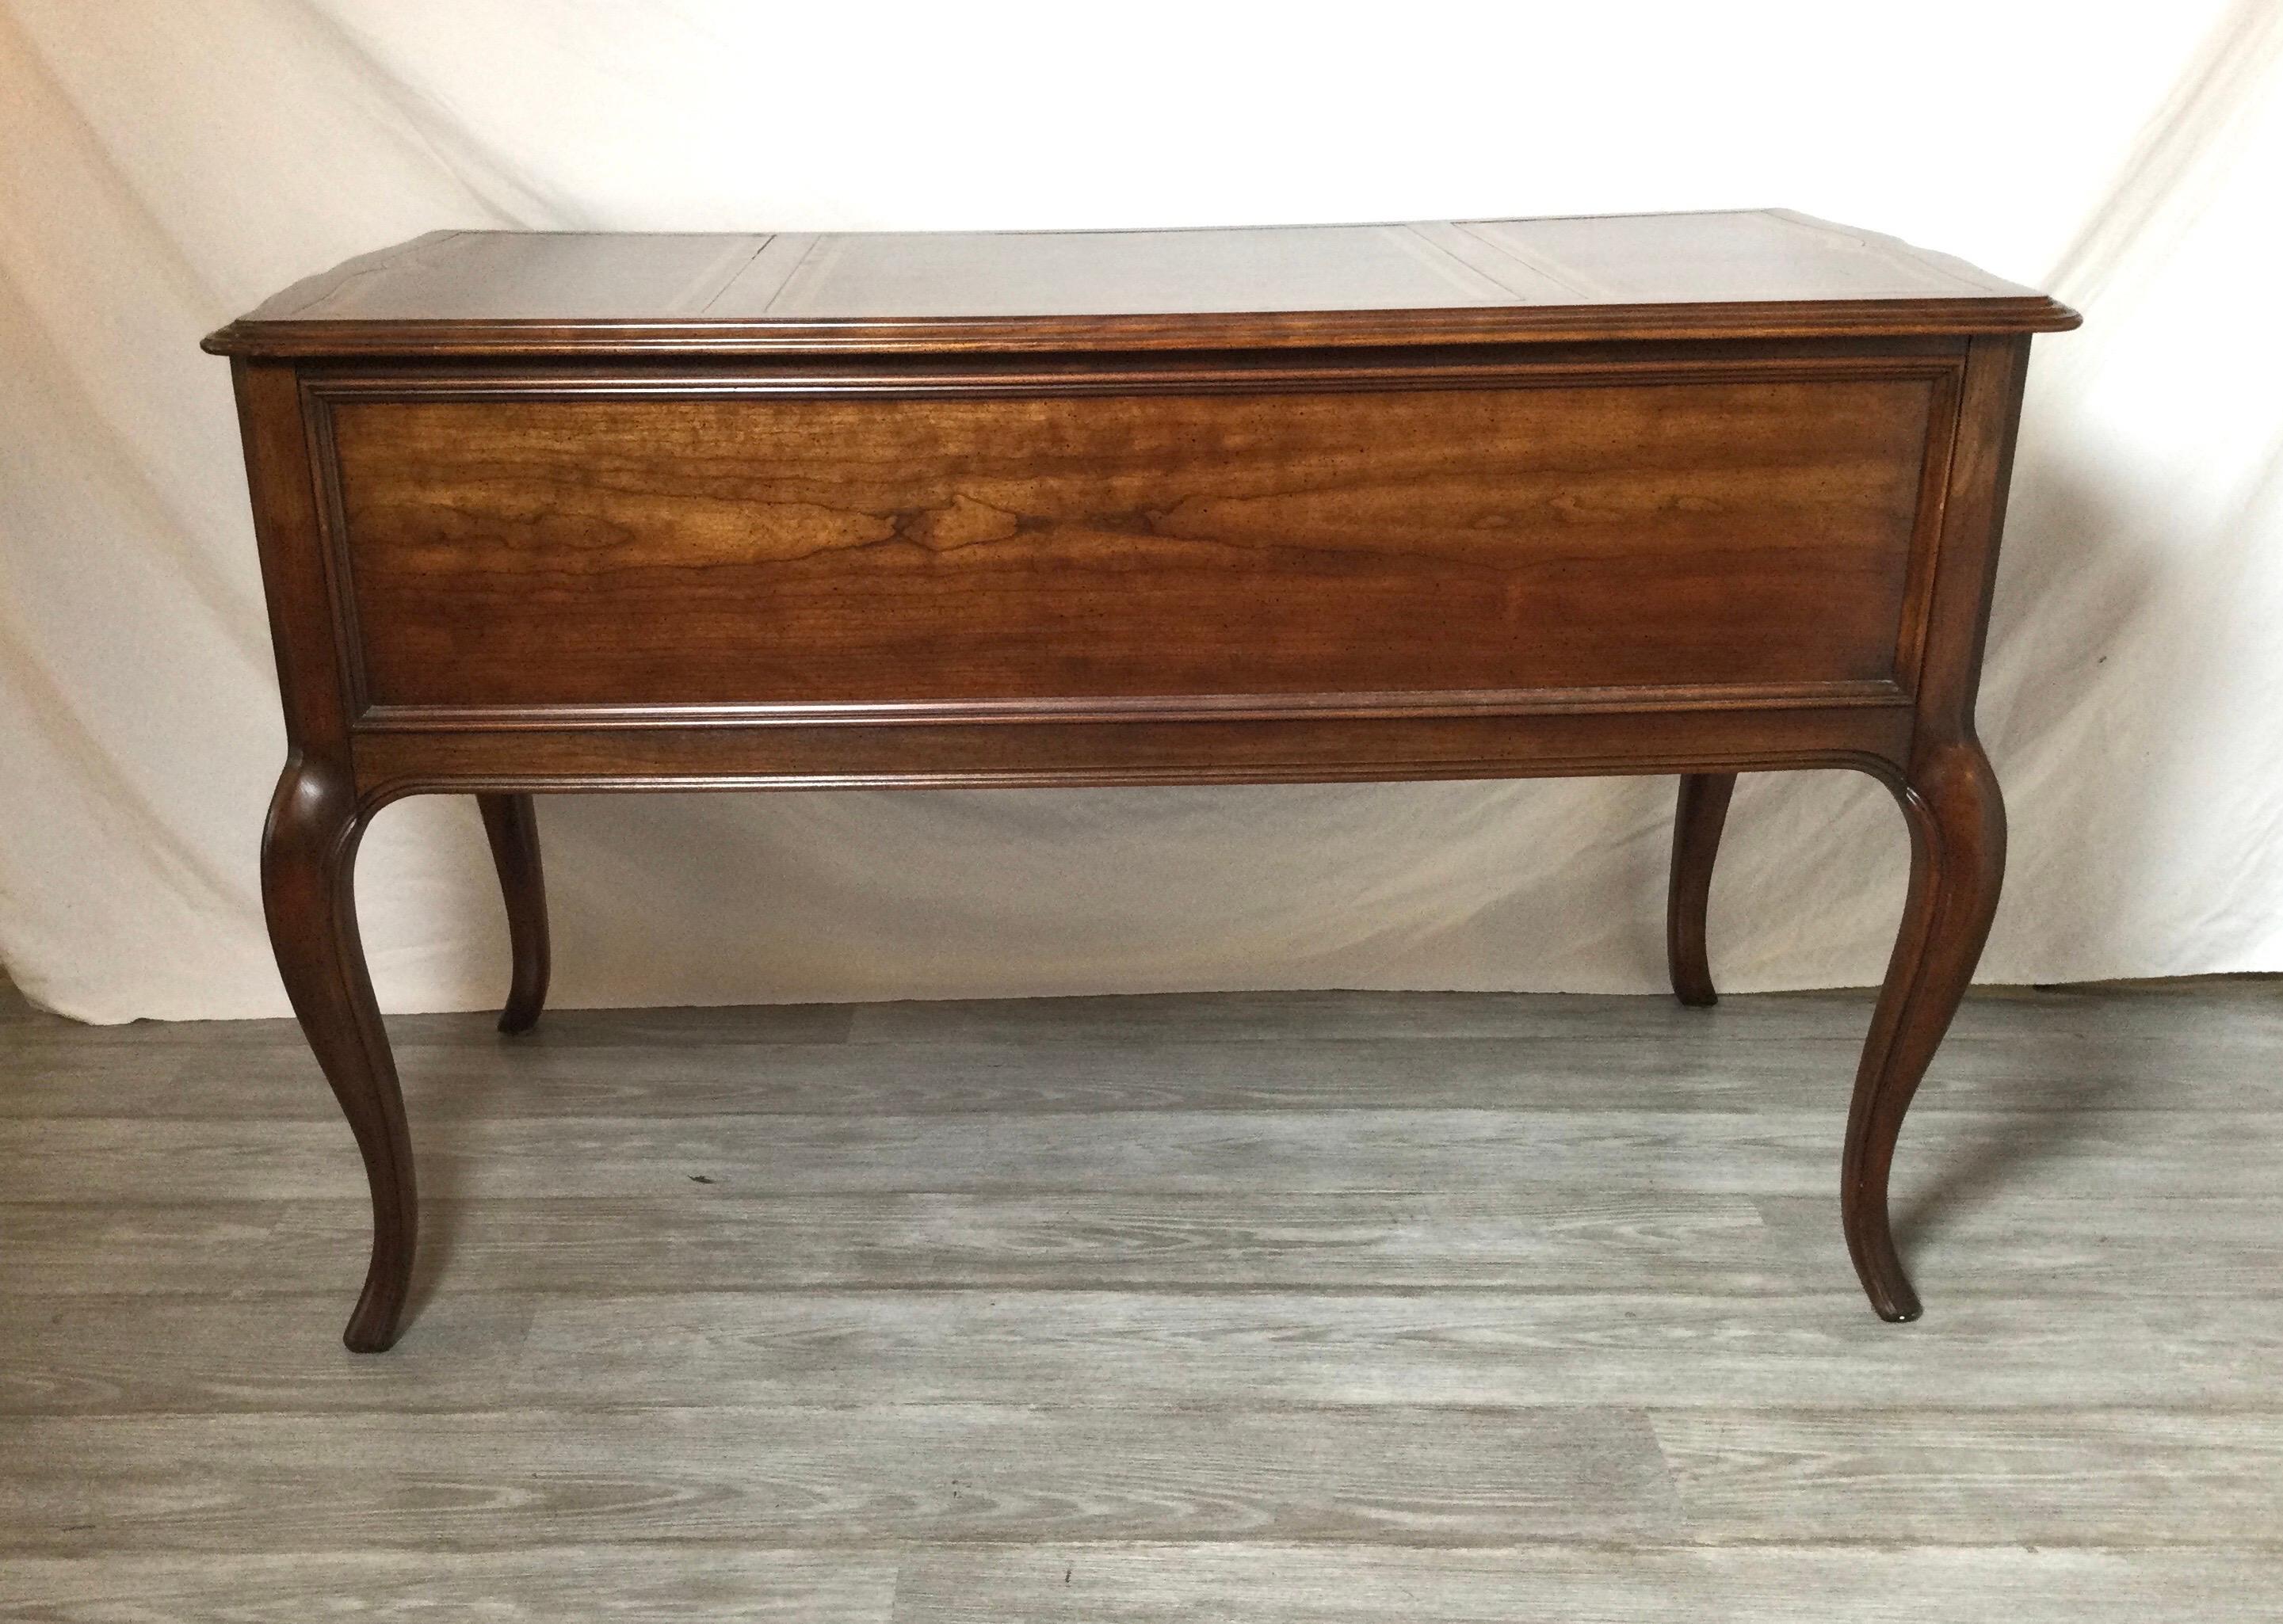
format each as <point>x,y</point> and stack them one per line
<point>1958,859</point>
<point>308,852</point>
<point>1696,821</point>
<point>513,828</point>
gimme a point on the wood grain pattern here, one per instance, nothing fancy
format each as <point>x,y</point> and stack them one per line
<point>2050,1050</point>
<point>1758,273</point>
<point>1951,801</point>
<point>1640,1240</point>
<point>1166,1152</point>
<point>1636,1068</point>
<point>611,1347</point>
<point>1782,1583</point>
<point>2079,1476</point>
<point>1751,534</point>
<point>622,1584</point>
<point>921,274</point>
<point>1166,1583</point>
<point>439,751</point>
<point>1695,495</point>
<point>796,1476</point>
<point>2125,1018</point>
<point>1033,1404</point>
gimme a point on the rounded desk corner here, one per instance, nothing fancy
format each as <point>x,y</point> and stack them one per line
<point>2059,318</point>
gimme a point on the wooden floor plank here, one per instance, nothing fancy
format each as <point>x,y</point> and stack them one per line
<point>2065,1474</point>
<point>254,1354</point>
<point>496,1077</point>
<point>1151,1584</point>
<point>1988,1241</point>
<point>1428,1348</point>
<point>1959,1220</point>
<point>474,1350</point>
<point>540,1584</point>
<point>1313,1584</point>
<point>2217,1010</point>
<point>820,1477</point>
<point>696,1238</point>
<point>1770,1153</point>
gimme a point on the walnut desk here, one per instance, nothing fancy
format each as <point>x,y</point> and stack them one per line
<point>1694,494</point>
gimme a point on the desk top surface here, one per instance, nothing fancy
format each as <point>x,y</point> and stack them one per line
<point>1757,274</point>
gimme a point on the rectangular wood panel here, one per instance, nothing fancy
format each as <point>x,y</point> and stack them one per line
<point>757,549</point>
<point>1082,273</point>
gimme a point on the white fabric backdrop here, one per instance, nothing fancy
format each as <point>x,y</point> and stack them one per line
<point>163,166</point>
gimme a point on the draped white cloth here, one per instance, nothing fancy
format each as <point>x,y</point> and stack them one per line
<point>163,166</point>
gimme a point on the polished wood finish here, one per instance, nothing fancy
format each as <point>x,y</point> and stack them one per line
<point>1693,495</point>
<point>1957,855</point>
<point>308,857</point>
<point>1752,531</point>
<point>511,826</point>
<point>1696,822</point>
<point>1759,273</point>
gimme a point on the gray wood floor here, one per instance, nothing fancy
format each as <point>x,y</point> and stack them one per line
<point>1279,1307</point>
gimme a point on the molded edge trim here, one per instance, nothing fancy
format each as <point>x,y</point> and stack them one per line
<point>1094,334</point>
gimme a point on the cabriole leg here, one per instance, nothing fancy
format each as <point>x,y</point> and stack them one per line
<point>308,854</point>
<point>1696,823</point>
<point>1958,858</point>
<point>513,827</point>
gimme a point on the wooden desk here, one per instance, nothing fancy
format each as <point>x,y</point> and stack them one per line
<point>1691,493</point>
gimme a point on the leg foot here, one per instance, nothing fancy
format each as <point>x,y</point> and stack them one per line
<point>1958,858</point>
<point>513,827</point>
<point>1696,824</point>
<point>308,854</point>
